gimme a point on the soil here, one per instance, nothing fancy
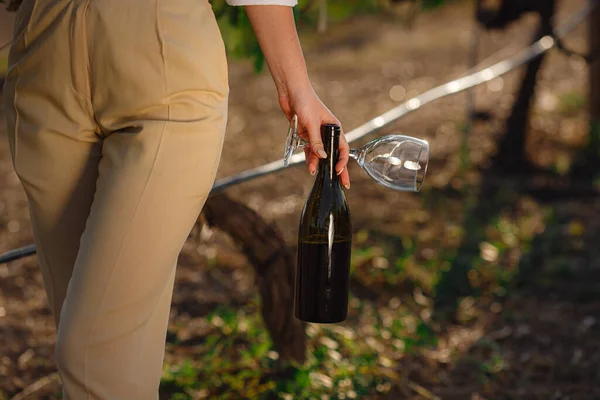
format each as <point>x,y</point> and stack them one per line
<point>362,67</point>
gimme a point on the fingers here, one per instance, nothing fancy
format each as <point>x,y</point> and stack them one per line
<point>306,153</point>
<point>345,178</point>
<point>344,150</point>
<point>341,167</point>
<point>317,151</point>
<point>313,163</point>
<point>311,160</point>
<point>314,137</point>
<point>309,128</point>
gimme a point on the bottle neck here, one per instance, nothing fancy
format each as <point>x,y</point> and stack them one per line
<point>331,143</point>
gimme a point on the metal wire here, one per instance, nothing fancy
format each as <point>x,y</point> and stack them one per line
<point>456,86</point>
<point>17,253</point>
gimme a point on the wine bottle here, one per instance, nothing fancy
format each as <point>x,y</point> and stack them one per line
<point>324,243</point>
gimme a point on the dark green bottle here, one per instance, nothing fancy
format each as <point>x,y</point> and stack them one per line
<point>324,243</point>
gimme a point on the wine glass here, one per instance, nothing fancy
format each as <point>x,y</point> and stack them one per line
<point>398,162</point>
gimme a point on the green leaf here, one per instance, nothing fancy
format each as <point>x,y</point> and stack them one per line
<point>259,349</point>
<point>259,61</point>
<point>429,4</point>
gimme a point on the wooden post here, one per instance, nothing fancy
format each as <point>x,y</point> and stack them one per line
<point>593,148</point>
<point>322,23</point>
<point>594,45</point>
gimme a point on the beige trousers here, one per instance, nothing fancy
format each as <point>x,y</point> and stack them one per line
<point>116,116</point>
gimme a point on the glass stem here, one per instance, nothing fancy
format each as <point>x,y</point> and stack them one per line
<point>355,153</point>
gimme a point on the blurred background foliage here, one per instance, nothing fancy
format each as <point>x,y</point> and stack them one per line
<point>483,286</point>
<point>241,42</point>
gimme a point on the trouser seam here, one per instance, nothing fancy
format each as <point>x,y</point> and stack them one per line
<point>103,298</point>
<point>88,66</point>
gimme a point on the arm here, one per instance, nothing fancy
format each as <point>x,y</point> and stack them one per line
<point>276,32</point>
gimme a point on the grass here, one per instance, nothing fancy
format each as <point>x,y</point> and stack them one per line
<point>362,357</point>
<point>345,361</point>
<point>236,360</point>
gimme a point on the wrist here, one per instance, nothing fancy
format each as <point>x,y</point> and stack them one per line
<point>292,87</point>
<point>291,80</point>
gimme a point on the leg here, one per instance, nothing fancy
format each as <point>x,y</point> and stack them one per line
<point>51,132</point>
<point>160,96</point>
<point>115,315</point>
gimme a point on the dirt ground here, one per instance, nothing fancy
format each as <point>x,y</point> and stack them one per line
<point>548,329</point>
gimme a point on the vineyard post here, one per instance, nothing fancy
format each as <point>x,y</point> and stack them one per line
<point>594,80</point>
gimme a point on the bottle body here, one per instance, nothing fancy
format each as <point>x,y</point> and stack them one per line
<point>324,243</point>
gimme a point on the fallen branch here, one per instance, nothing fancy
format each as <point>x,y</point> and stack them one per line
<point>422,391</point>
<point>36,386</point>
<point>266,250</point>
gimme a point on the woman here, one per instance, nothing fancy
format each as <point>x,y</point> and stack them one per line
<point>116,115</point>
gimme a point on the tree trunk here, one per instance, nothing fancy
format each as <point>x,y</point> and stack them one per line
<point>265,248</point>
<point>13,5</point>
<point>511,156</point>
<point>585,165</point>
<point>594,45</point>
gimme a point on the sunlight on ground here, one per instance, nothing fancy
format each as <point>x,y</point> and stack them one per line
<point>364,355</point>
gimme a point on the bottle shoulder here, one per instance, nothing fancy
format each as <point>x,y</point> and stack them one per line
<point>324,210</point>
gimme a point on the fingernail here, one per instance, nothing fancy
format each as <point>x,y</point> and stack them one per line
<point>347,186</point>
<point>322,153</point>
<point>341,170</point>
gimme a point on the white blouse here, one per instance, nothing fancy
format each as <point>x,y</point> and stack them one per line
<point>290,3</point>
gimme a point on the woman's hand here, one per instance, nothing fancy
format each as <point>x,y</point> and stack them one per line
<point>276,32</point>
<point>312,113</point>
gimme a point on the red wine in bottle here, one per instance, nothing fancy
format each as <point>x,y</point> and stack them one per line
<point>324,243</point>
